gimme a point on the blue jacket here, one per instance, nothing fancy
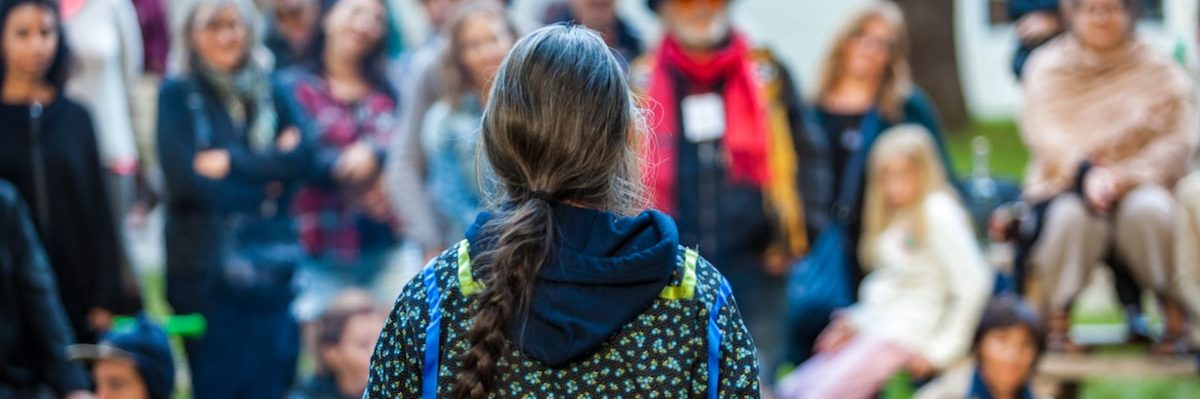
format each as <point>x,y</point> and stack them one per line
<point>198,231</point>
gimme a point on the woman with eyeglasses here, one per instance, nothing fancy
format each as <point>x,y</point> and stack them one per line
<point>232,145</point>
<point>1111,128</point>
<point>864,88</point>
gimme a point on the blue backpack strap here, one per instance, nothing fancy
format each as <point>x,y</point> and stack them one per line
<point>715,336</point>
<point>433,333</point>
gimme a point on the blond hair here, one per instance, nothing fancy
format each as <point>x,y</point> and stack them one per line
<point>896,84</point>
<point>915,144</point>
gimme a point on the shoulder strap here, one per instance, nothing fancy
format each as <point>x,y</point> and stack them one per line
<point>433,333</point>
<point>851,182</point>
<point>687,283</point>
<point>715,337</point>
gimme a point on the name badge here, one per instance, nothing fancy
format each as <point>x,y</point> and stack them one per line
<point>703,117</point>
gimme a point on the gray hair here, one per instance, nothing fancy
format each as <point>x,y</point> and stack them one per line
<point>183,15</point>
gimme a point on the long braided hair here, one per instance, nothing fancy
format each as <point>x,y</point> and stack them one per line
<point>560,126</point>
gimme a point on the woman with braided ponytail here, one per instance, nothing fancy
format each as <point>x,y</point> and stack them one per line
<point>567,287</point>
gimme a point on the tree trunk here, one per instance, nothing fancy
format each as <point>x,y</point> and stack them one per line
<point>934,58</point>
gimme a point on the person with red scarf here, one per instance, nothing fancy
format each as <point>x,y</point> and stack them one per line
<point>728,155</point>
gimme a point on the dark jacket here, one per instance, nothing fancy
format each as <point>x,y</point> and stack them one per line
<point>74,220</point>
<point>320,386</point>
<point>1021,8</point>
<point>34,333</point>
<point>199,210</point>
<point>727,220</point>
<point>620,310</point>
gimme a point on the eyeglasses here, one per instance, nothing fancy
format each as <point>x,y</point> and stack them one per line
<point>875,42</point>
<point>1102,10</point>
<point>225,25</point>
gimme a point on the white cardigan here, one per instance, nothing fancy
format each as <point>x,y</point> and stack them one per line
<point>106,43</point>
<point>929,299</point>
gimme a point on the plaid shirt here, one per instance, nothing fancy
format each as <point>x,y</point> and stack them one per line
<point>331,225</point>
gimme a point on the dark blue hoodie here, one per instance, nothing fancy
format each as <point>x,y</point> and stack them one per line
<point>605,270</point>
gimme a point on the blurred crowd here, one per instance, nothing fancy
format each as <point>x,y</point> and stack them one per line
<point>293,145</point>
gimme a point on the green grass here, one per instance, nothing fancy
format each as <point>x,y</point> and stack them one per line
<point>1008,155</point>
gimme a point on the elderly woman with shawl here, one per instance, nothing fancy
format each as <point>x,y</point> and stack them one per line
<point>1111,126</point>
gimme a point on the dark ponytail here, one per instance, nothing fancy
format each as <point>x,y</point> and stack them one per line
<point>558,128</point>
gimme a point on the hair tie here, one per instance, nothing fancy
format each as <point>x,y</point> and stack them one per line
<point>544,196</point>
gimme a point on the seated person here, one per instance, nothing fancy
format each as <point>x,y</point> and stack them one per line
<point>130,362</point>
<point>927,286</point>
<point>1110,125</point>
<point>345,338</point>
<point>1006,348</point>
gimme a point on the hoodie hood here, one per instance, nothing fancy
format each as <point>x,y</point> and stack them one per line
<point>605,270</point>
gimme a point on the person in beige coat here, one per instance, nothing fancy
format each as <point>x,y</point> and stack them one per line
<point>1111,126</point>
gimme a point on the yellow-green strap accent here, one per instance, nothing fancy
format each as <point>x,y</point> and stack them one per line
<point>687,285</point>
<point>466,281</point>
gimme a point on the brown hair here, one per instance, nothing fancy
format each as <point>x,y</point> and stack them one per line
<point>455,76</point>
<point>896,85</point>
<point>558,128</point>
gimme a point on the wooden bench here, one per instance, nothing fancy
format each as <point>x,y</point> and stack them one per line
<point>1060,375</point>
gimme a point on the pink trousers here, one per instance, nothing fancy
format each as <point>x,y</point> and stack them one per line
<point>857,371</point>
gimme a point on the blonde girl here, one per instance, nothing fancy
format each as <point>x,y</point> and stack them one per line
<point>927,282</point>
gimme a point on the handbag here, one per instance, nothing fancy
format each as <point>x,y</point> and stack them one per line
<point>259,253</point>
<point>821,283</point>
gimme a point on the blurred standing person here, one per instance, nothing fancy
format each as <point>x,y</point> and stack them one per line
<point>51,155</point>
<point>346,338</point>
<point>156,35</point>
<point>107,62</point>
<point>292,26</point>
<point>565,290</point>
<point>865,87</point>
<point>105,69</point>
<point>600,16</point>
<point>231,145</point>
<point>345,220</point>
<point>928,282</point>
<point>34,332</point>
<point>1111,126</point>
<point>420,86</point>
<point>480,36</point>
<point>729,157</point>
<point>156,39</point>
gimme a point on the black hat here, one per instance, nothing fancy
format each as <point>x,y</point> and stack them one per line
<point>141,342</point>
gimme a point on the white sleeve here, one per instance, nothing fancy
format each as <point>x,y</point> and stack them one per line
<point>967,276</point>
<point>131,41</point>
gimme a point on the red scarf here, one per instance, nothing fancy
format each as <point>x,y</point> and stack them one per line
<point>746,135</point>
